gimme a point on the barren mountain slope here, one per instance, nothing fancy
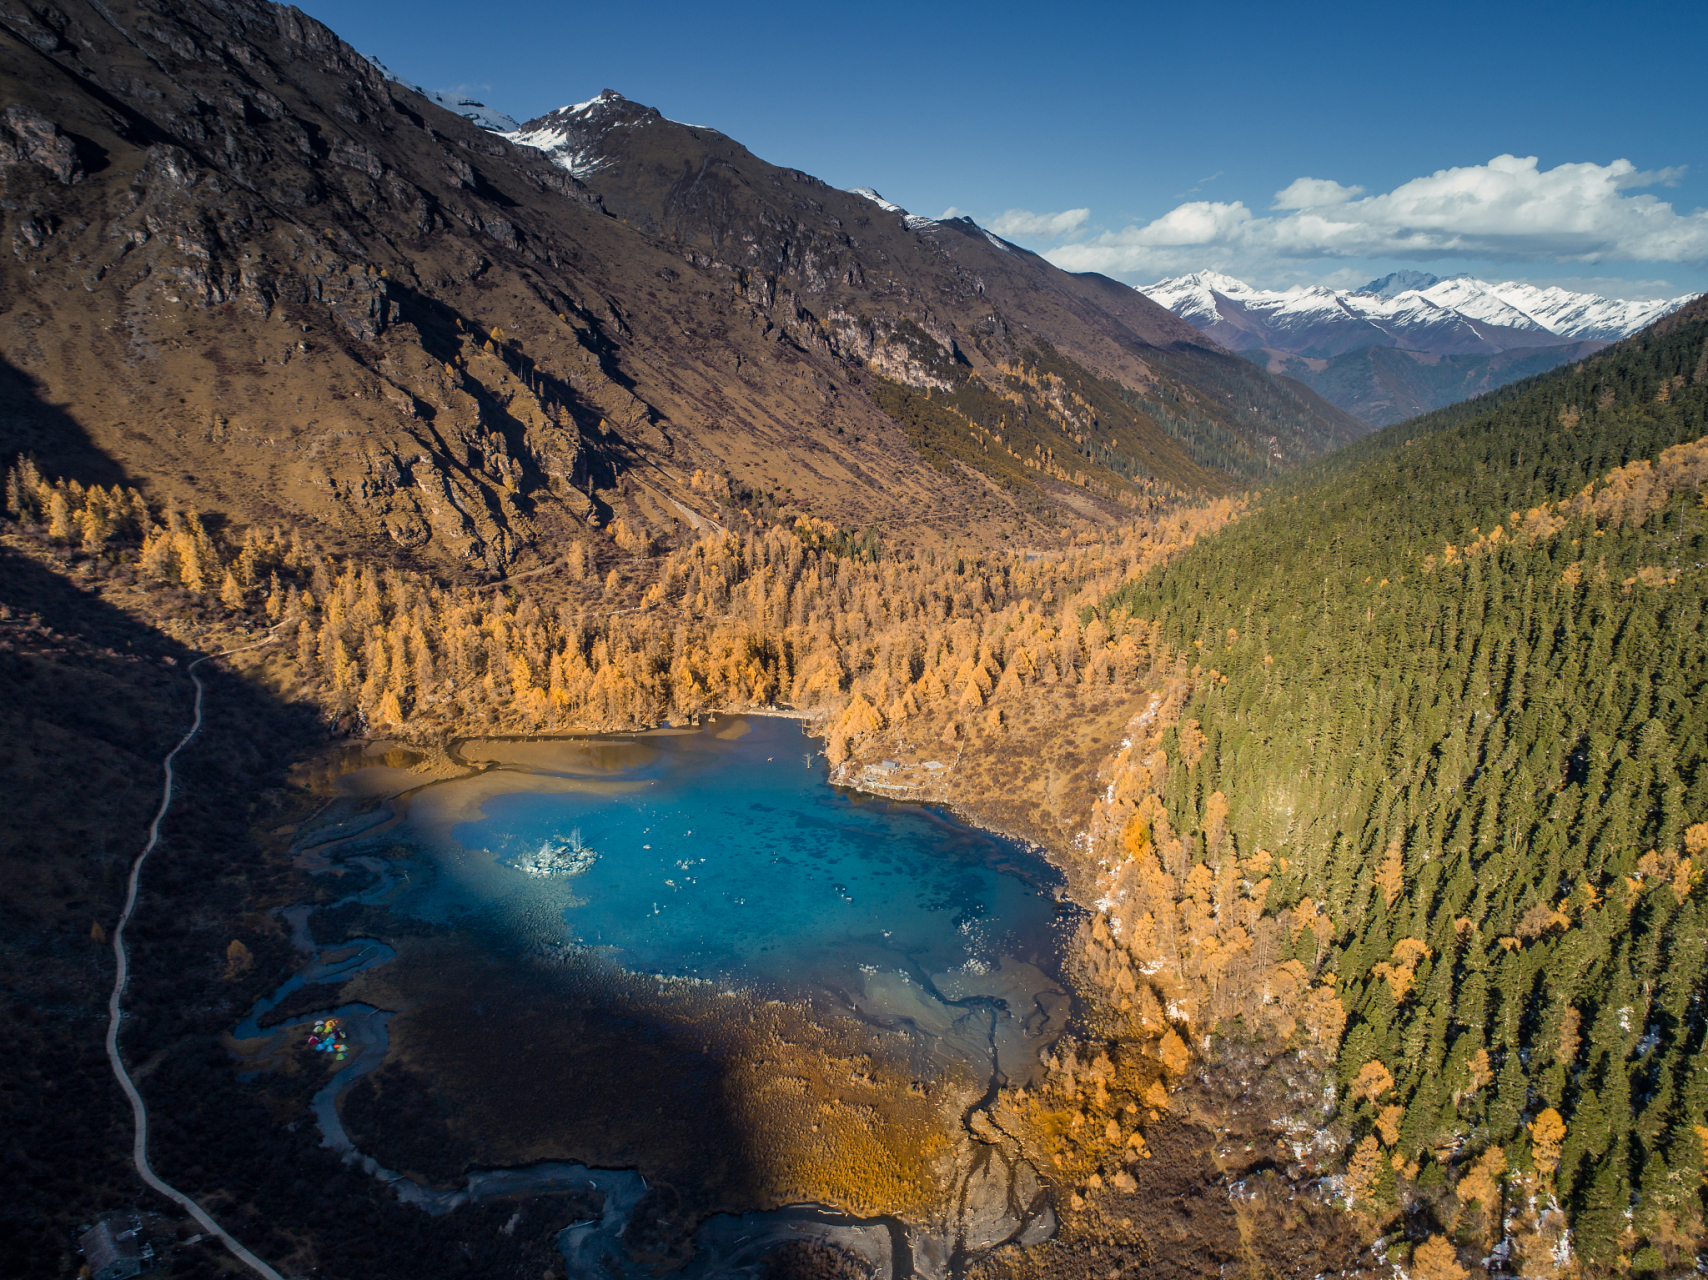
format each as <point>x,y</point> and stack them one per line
<point>809,253</point>
<point>261,278</point>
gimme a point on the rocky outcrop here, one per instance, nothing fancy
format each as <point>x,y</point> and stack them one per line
<point>27,136</point>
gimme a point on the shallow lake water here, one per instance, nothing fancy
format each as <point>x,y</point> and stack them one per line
<point>726,855</point>
<point>720,857</point>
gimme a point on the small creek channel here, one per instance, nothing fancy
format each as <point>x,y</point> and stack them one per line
<point>916,923</point>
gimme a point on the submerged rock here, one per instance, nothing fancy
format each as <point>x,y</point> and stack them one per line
<point>569,858</point>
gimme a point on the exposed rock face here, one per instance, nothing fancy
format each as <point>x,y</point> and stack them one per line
<point>845,268</point>
<point>30,136</point>
<point>253,274</point>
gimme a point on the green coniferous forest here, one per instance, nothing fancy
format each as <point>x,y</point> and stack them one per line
<point>1464,705</point>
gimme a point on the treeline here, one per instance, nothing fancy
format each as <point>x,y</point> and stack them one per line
<point>1446,724</point>
<point>806,615</point>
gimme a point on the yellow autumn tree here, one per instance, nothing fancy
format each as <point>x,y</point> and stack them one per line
<point>1392,875</point>
<point>1481,1185</point>
<point>390,710</point>
<point>1172,1052</point>
<point>1372,1081</point>
<point>59,521</point>
<point>1364,1170</point>
<point>1547,1134</point>
<point>1388,1122</point>
<point>237,959</point>
<point>1436,1259</point>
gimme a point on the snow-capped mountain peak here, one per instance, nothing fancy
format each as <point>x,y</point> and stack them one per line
<point>1413,311</point>
<point>1480,301</point>
<point>573,136</point>
<point>1193,297</point>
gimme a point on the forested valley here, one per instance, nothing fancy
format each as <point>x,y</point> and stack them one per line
<point>1440,751</point>
<point>1415,801</point>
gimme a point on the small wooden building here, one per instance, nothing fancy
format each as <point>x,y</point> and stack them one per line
<point>113,1249</point>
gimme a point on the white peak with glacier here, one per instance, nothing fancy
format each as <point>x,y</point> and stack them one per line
<point>1412,310</point>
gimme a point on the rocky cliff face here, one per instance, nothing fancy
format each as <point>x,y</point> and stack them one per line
<point>817,261</point>
<point>249,272</point>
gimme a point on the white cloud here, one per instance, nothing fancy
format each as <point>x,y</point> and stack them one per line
<point>1023,224</point>
<point>1313,193</point>
<point>1507,210</point>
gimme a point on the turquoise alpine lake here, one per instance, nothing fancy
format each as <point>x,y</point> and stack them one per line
<point>726,855</point>
<point>724,862</point>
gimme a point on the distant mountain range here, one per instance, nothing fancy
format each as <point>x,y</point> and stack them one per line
<point>1409,309</point>
<point>1402,345</point>
<point>1408,342</point>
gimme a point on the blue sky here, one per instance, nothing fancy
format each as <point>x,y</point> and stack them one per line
<point>1173,128</point>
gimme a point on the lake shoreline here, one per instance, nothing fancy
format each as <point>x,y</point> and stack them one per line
<point>380,785</point>
<point>448,748</point>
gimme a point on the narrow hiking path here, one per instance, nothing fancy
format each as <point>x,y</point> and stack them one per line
<point>139,1149</point>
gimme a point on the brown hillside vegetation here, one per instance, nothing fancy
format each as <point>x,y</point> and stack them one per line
<point>277,286</point>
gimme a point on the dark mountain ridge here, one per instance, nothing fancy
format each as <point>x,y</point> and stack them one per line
<point>268,281</point>
<point>795,239</point>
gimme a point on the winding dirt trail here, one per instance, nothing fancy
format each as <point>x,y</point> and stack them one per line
<point>139,1150</point>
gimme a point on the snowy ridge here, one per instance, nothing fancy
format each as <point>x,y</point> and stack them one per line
<point>918,221</point>
<point>461,104</point>
<point>914,221</point>
<point>570,135</point>
<point>1586,315</point>
<point>561,150</point>
<point>1455,316</point>
<point>876,199</point>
